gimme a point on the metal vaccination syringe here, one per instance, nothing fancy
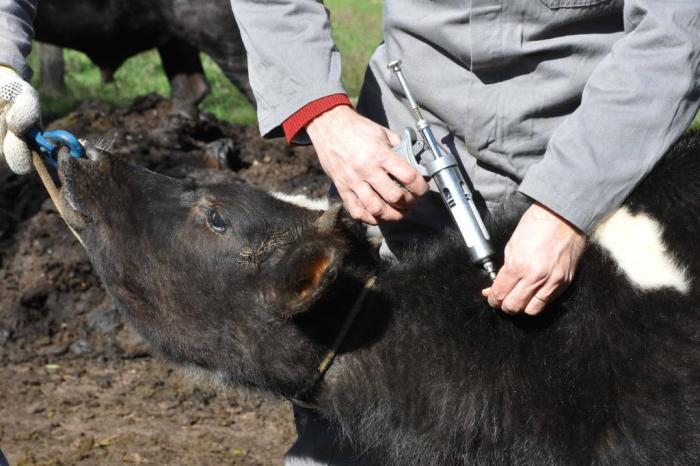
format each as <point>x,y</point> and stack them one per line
<point>453,189</point>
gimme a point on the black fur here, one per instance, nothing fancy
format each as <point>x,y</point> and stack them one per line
<point>429,374</point>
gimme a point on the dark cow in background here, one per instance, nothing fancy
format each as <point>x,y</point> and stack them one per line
<point>255,290</point>
<point>110,31</point>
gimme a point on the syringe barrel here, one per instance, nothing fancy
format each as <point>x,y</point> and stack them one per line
<point>459,200</point>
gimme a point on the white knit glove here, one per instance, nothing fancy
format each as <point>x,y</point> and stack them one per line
<point>19,111</point>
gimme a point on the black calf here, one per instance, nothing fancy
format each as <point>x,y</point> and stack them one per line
<point>255,290</point>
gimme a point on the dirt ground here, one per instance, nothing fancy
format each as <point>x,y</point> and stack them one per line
<point>78,386</point>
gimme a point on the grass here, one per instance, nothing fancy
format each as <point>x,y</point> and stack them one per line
<point>139,75</point>
<point>355,45</point>
<point>356,28</point>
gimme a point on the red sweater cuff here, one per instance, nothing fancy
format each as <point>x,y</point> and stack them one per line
<point>302,117</point>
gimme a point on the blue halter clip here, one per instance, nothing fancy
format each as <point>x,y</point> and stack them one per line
<point>48,143</point>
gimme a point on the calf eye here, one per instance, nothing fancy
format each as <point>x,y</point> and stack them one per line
<point>215,221</point>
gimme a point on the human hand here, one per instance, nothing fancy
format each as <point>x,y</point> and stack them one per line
<point>356,154</point>
<point>540,262</point>
<point>19,111</point>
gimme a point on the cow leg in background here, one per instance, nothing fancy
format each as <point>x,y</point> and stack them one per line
<point>51,74</point>
<point>235,67</point>
<point>220,39</point>
<point>188,84</point>
<point>224,45</point>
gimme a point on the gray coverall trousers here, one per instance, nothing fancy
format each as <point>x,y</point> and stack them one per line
<point>570,102</point>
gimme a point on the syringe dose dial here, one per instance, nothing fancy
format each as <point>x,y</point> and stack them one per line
<point>459,201</point>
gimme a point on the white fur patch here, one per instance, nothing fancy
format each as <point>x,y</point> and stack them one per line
<point>302,201</point>
<point>634,242</point>
<point>372,233</point>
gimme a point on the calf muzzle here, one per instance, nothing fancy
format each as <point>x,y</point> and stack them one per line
<point>81,179</point>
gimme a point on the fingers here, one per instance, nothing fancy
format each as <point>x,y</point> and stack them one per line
<point>353,205</point>
<point>364,204</point>
<point>375,205</point>
<point>389,190</point>
<point>520,290</point>
<point>540,262</point>
<point>517,290</point>
<point>535,306</point>
<point>17,154</point>
<point>356,154</point>
<point>519,297</point>
<point>523,297</point>
<point>405,174</point>
<point>21,102</point>
<point>505,281</point>
<point>23,114</point>
<point>546,294</point>
<point>379,197</point>
<point>401,170</point>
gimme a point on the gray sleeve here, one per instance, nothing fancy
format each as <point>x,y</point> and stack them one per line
<point>292,59</point>
<point>16,33</point>
<point>636,104</point>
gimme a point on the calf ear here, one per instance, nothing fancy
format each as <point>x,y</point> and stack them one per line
<point>302,277</point>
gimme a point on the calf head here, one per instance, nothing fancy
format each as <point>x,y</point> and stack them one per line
<point>224,277</point>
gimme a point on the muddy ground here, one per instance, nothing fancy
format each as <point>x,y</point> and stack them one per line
<point>78,386</point>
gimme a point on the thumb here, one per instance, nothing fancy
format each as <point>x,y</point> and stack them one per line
<point>17,154</point>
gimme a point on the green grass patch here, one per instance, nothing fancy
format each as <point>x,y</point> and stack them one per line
<point>356,28</point>
<point>225,100</point>
<point>139,75</point>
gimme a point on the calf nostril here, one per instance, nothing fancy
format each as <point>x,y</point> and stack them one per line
<point>96,150</point>
<point>89,150</point>
<point>93,154</point>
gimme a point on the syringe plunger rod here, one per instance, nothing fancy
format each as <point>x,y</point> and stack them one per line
<point>395,66</point>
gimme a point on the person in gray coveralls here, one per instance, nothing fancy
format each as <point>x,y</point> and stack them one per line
<point>568,102</point>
